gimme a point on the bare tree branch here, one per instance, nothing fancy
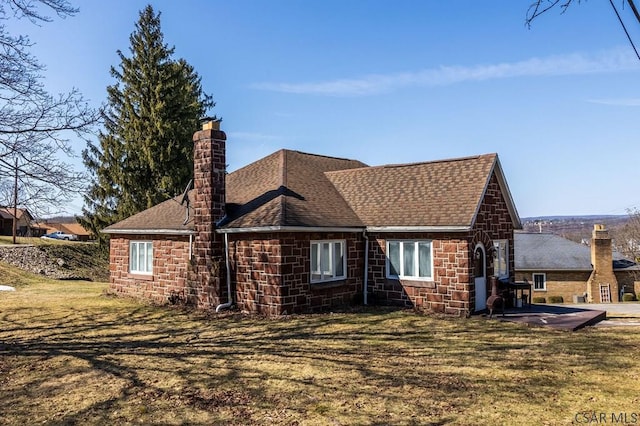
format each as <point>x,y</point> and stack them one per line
<point>539,7</point>
<point>35,126</point>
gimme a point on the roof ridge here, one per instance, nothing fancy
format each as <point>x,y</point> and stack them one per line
<point>320,155</point>
<point>418,163</point>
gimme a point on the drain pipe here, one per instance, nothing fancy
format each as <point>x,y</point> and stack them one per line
<point>226,262</point>
<point>366,266</point>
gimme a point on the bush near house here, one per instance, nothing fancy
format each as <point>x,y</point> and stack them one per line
<point>539,299</point>
<point>556,299</point>
<point>628,297</point>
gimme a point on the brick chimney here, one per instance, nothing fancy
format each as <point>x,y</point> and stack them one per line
<point>602,279</point>
<point>209,176</point>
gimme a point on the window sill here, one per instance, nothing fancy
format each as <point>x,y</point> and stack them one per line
<point>327,284</point>
<point>141,277</point>
<point>414,283</point>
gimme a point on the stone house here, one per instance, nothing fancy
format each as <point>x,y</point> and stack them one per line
<point>297,232</point>
<point>555,266</point>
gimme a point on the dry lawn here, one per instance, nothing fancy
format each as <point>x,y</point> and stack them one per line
<point>70,355</point>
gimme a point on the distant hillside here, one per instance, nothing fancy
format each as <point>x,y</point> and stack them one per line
<point>575,228</point>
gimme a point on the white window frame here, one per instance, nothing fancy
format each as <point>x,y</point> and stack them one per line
<point>544,281</point>
<point>501,258</point>
<point>141,257</point>
<point>330,266</point>
<point>416,260</point>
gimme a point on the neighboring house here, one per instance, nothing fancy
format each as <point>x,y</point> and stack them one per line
<point>296,232</point>
<point>25,226</point>
<point>555,266</point>
<point>68,228</point>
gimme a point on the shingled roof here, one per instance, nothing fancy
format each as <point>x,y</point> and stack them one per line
<point>168,217</point>
<point>548,252</point>
<point>291,189</point>
<point>435,194</point>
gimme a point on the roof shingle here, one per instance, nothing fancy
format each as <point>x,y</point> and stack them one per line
<point>438,193</point>
<point>295,189</point>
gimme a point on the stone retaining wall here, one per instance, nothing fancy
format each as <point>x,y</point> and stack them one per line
<point>34,259</point>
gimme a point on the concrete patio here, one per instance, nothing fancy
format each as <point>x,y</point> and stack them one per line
<point>564,317</point>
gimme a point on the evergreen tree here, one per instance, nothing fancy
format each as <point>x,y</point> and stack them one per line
<point>145,153</point>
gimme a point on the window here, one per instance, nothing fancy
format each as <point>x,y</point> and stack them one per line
<point>501,258</point>
<point>328,261</point>
<point>409,259</point>
<point>540,282</point>
<point>141,257</point>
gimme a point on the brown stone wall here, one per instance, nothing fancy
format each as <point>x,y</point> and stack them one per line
<point>168,283</point>
<point>452,291</point>
<point>271,273</point>
<point>493,222</point>
<point>448,292</point>
<point>208,277</point>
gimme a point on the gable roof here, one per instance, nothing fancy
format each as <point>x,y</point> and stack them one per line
<point>289,189</point>
<point>7,213</point>
<point>69,228</point>
<point>436,194</point>
<point>548,252</point>
<point>292,190</point>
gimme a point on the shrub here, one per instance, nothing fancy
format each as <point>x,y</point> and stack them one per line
<point>628,297</point>
<point>556,299</point>
<point>539,299</point>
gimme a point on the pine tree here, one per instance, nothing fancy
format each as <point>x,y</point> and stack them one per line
<point>145,153</point>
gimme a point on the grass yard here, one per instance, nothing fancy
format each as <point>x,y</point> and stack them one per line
<point>70,355</point>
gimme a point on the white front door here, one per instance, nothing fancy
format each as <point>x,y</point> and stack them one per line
<point>480,277</point>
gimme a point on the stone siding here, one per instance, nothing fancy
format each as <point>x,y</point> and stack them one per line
<point>271,273</point>
<point>452,291</point>
<point>448,293</point>
<point>493,222</point>
<point>167,284</point>
<point>208,278</point>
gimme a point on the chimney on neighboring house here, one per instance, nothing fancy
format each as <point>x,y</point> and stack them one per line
<point>602,286</point>
<point>209,177</point>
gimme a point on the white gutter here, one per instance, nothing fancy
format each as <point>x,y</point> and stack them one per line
<point>149,231</point>
<point>366,266</point>
<point>226,260</point>
<point>287,229</point>
<point>462,228</point>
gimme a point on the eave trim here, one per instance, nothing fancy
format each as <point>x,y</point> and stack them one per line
<point>150,231</point>
<point>445,228</point>
<point>288,229</point>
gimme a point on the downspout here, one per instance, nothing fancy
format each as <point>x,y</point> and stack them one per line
<point>366,266</point>
<point>226,262</point>
<point>190,247</point>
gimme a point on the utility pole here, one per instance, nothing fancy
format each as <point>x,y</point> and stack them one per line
<point>15,201</point>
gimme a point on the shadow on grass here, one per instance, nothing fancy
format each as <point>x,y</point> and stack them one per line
<point>370,367</point>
